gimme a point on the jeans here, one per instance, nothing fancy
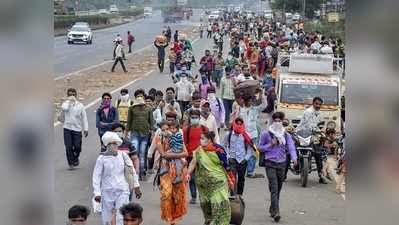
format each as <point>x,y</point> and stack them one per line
<point>130,47</point>
<point>275,175</point>
<point>217,76</point>
<point>73,145</point>
<point>228,108</point>
<point>239,169</point>
<point>193,187</point>
<point>119,59</point>
<point>171,67</point>
<point>252,161</point>
<point>139,142</point>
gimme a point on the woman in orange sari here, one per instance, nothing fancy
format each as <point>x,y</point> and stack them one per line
<point>173,196</point>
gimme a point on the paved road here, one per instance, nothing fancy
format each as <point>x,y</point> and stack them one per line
<point>71,58</point>
<point>315,205</point>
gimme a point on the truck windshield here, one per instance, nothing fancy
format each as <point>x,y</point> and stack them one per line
<point>304,93</point>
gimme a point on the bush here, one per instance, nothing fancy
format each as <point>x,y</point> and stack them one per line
<point>132,12</point>
<point>327,29</point>
<point>67,21</point>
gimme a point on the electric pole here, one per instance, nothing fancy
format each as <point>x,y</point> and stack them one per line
<point>304,9</point>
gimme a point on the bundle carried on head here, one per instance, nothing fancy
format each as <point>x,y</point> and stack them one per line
<point>160,40</point>
<point>247,88</point>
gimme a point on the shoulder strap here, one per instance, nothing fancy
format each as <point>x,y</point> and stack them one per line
<point>119,102</point>
<point>230,133</point>
<point>220,107</point>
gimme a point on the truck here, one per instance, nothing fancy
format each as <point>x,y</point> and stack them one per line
<point>177,12</point>
<point>309,76</point>
<point>147,11</point>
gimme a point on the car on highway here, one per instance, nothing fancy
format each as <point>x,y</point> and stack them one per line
<point>103,11</point>
<point>113,9</point>
<point>215,15</point>
<point>147,12</point>
<point>79,33</point>
<point>296,17</point>
<point>81,24</point>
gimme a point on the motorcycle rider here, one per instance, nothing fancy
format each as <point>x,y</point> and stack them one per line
<point>310,120</point>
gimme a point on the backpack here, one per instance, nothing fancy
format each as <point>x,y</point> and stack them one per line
<point>262,162</point>
<point>119,102</point>
<point>274,53</point>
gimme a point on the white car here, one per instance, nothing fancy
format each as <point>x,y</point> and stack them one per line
<point>80,34</point>
<point>296,17</point>
<point>213,17</point>
<point>113,9</point>
<point>103,11</point>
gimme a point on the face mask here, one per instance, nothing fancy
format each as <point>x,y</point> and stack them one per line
<point>205,112</point>
<point>204,142</point>
<point>106,103</point>
<point>211,96</point>
<point>72,98</point>
<point>125,98</point>
<point>184,79</point>
<point>285,124</point>
<point>247,74</point>
<point>120,134</point>
<point>195,121</point>
<point>229,57</point>
<point>113,149</point>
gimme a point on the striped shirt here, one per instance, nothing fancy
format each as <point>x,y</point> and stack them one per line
<point>227,86</point>
<point>176,142</point>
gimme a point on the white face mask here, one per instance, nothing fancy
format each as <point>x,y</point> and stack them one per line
<point>184,79</point>
<point>229,57</point>
<point>125,98</point>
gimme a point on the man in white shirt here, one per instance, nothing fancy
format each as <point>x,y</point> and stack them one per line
<point>75,121</point>
<point>208,120</point>
<point>184,89</point>
<point>326,49</point>
<point>309,122</point>
<point>119,56</point>
<point>315,46</point>
<point>110,185</point>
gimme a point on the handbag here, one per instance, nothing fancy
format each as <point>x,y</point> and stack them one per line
<point>128,171</point>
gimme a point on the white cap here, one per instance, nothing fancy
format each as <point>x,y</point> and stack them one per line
<point>109,137</point>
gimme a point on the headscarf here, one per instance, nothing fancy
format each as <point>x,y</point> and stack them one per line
<point>277,129</point>
<point>240,129</point>
<point>111,149</point>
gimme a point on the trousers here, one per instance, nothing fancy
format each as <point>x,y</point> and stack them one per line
<point>113,200</point>
<point>275,175</point>
<point>119,59</point>
<point>239,169</point>
<point>73,145</point>
<point>139,142</point>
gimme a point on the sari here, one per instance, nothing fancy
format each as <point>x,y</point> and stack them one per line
<point>212,183</point>
<point>173,196</point>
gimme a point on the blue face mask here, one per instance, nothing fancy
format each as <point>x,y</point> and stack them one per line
<point>195,121</point>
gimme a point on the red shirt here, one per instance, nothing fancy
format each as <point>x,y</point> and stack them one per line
<point>193,140</point>
<point>130,38</point>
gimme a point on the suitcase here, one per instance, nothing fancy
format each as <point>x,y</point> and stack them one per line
<point>237,206</point>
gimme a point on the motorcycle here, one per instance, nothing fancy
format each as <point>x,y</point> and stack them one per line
<point>308,143</point>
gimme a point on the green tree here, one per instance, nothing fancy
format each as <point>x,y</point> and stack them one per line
<point>296,6</point>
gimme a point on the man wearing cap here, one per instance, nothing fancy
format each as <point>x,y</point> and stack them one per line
<point>111,188</point>
<point>140,124</point>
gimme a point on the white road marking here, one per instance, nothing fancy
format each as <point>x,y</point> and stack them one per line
<point>112,92</point>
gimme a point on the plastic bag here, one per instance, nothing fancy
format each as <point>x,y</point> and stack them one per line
<point>96,206</point>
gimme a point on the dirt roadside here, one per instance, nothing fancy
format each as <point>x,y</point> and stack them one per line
<point>90,84</point>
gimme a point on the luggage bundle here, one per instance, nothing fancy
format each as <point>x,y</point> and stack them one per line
<point>247,88</point>
<point>160,40</point>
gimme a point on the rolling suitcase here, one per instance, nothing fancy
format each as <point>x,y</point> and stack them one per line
<point>237,206</point>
